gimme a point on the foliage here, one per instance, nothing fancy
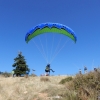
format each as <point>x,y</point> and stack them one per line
<point>67,79</point>
<point>83,87</point>
<point>5,74</point>
<point>20,65</point>
<point>33,75</point>
<point>90,80</point>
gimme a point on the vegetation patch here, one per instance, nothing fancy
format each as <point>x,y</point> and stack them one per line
<point>67,79</point>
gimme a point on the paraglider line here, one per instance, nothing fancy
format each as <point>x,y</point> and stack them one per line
<point>43,49</point>
<point>39,50</point>
<point>46,45</point>
<point>59,51</point>
<point>52,46</point>
<point>57,47</point>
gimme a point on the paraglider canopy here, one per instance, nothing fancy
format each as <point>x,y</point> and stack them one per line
<point>50,28</point>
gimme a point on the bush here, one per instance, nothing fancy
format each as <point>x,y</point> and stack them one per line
<point>87,86</point>
<point>67,79</point>
<point>33,75</point>
<point>82,87</point>
<point>90,80</point>
<point>6,74</point>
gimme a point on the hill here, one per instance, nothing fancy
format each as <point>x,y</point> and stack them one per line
<point>79,87</point>
<point>31,88</point>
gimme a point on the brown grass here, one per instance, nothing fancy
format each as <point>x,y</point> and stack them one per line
<point>79,87</point>
<point>30,88</point>
<point>86,86</point>
<point>45,79</point>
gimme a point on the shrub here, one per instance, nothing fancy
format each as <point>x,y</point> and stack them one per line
<point>6,74</point>
<point>67,79</point>
<point>90,80</point>
<point>33,75</point>
<point>86,86</point>
<point>82,87</point>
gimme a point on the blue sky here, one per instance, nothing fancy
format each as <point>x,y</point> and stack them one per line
<point>17,17</point>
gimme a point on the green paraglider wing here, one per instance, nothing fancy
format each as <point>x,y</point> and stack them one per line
<point>50,28</point>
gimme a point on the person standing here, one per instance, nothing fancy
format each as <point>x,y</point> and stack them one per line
<point>85,69</point>
<point>13,73</point>
<point>95,69</point>
<point>80,72</point>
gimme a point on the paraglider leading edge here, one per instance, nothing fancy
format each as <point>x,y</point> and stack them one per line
<point>50,28</point>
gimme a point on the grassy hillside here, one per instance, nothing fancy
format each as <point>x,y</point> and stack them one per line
<point>31,88</point>
<point>79,87</point>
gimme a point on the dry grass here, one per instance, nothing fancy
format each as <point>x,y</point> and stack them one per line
<point>85,87</point>
<point>80,87</point>
<point>30,88</point>
<point>45,79</point>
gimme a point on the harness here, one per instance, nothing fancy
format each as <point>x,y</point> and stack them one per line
<point>47,68</point>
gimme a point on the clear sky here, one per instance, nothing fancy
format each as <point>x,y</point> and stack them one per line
<point>17,17</point>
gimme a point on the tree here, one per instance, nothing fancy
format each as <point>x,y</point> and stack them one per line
<point>20,65</point>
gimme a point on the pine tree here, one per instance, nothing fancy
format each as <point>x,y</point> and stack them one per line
<point>20,65</point>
